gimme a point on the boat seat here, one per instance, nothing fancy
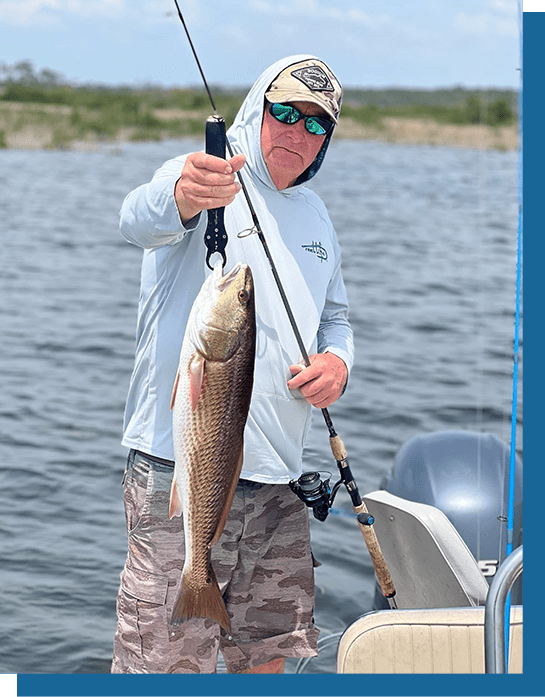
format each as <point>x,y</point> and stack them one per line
<point>442,640</point>
<point>429,562</point>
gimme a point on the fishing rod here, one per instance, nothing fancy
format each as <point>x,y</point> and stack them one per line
<point>215,240</point>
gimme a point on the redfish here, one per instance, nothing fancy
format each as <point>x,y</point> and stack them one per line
<point>210,403</point>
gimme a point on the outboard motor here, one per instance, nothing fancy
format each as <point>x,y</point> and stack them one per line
<point>466,476</point>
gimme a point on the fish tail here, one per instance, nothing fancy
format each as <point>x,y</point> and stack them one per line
<point>206,601</point>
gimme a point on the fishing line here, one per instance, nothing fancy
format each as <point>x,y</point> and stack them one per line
<point>514,404</point>
<point>512,459</point>
<point>336,444</point>
<point>196,56</point>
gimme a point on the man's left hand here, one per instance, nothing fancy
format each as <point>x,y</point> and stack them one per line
<point>322,382</point>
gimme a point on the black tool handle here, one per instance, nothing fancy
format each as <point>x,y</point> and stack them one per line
<point>215,136</point>
<point>215,237</point>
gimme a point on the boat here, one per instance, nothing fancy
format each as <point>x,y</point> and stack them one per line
<point>440,517</point>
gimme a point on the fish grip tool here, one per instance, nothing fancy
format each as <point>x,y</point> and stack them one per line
<point>215,236</point>
<point>337,446</point>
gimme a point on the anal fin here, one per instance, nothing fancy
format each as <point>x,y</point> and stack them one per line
<point>174,391</point>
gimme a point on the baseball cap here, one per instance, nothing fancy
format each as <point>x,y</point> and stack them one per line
<point>308,81</point>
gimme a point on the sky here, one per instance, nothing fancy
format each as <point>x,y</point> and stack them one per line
<point>368,43</point>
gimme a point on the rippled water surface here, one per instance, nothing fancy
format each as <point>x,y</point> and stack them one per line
<point>429,250</point>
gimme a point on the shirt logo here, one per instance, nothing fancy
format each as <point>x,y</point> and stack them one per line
<point>314,78</point>
<point>316,248</point>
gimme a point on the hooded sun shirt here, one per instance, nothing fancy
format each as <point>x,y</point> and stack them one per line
<point>305,250</point>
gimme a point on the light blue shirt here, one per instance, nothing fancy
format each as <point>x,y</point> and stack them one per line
<point>304,247</point>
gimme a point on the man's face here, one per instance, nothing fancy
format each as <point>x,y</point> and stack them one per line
<point>289,149</point>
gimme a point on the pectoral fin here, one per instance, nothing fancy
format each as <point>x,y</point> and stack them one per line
<point>175,507</point>
<point>196,378</point>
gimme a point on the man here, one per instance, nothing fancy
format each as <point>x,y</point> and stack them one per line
<point>262,561</point>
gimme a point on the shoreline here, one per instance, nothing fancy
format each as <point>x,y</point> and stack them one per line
<point>49,127</point>
<point>412,131</point>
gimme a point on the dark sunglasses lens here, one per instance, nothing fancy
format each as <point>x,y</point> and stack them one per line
<point>285,113</point>
<point>318,126</point>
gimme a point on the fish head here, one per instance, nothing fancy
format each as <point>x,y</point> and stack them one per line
<point>228,310</point>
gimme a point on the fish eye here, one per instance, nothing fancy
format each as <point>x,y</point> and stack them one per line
<point>243,296</point>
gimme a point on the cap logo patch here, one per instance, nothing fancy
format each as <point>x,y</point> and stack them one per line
<point>314,78</point>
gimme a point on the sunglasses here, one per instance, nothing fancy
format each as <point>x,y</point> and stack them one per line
<point>285,113</point>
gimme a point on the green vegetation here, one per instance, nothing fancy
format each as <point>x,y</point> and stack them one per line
<point>456,106</point>
<point>103,112</point>
<point>31,100</point>
<point>107,109</point>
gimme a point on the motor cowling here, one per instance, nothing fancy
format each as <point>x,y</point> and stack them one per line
<point>466,476</point>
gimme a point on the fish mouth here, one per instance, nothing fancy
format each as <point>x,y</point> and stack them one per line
<point>240,273</point>
<point>222,282</point>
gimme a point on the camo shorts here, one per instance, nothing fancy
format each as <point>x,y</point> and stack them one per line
<point>263,564</point>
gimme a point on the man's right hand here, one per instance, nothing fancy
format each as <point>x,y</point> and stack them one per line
<point>206,182</point>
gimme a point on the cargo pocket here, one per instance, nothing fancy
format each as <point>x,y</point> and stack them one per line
<point>146,495</point>
<point>135,495</point>
<point>145,623</point>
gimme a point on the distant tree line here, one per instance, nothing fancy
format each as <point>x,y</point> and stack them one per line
<point>108,108</point>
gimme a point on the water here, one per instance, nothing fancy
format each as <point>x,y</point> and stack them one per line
<point>429,247</point>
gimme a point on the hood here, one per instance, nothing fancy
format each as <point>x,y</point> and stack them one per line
<point>245,133</point>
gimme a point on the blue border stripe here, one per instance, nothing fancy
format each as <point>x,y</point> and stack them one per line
<point>531,682</point>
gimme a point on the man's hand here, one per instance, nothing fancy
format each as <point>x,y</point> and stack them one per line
<point>322,382</point>
<point>206,182</point>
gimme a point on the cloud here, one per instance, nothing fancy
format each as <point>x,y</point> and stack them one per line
<point>310,9</point>
<point>47,12</point>
<point>507,6</point>
<point>500,18</point>
<point>22,12</point>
